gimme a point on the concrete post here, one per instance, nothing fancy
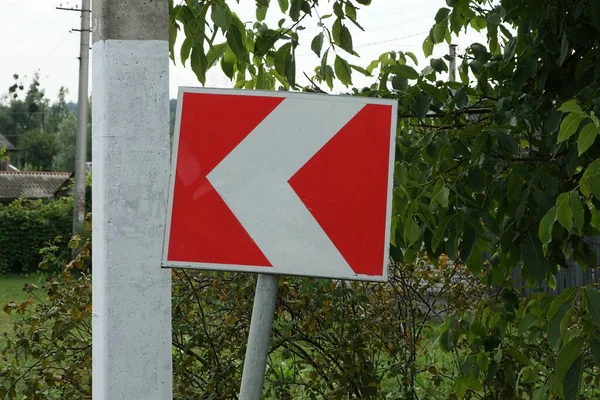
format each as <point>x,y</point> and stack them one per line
<point>259,337</point>
<point>130,136</point>
<point>82,117</point>
<point>452,68</point>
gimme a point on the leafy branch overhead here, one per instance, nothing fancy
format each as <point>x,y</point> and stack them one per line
<point>487,164</point>
<point>499,170</point>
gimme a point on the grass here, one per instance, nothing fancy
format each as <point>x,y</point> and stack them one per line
<point>11,289</point>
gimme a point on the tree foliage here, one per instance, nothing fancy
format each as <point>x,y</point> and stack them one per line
<point>32,122</point>
<point>64,156</point>
<point>498,170</point>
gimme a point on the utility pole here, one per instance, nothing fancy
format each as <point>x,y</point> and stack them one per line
<point>82,115</point>
<point>452,55</point>
<point>131,294</point>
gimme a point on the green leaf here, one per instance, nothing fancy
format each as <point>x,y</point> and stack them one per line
<point>317,44</point>
<point>261,12</point>
<point>557,311</point>
<point>421,105</point>
<point>546,226</point>
<point>439,31</point>
<point>440,232</point>
<point>264,44</point>
<point>228,62</point>
<point>371,67</point>
<point>283,5</point>
<point>479,145</point>
<point>412,232</point>
<point>236,42</point>
<point>564,49</point>
<point>295,10</point>
<point>567,356</point>
<point>336,31</point>
<point>541,393</point>
<point>427,47</point>
<point>199,63</point>
<point>595,349</point>
<point>281,57</point>
<point>564,213</point>
<point>569,126</point>
<point>221,15</point>
<point>590,181</point>
<point>468,242</point>
<point>360,69</point>
<point>527,322</point>
<point>442,14</point>
<point>592,296</point>
<point>441,196</point>
<point>494,19</point>
<point>577,208</point>
<point>438,64</point>
<point>186,48</point>
<point>172,40</point>
<point>533,256</point>
<point>405,71</point>
<point>478,23</point>
<point>572,382</point>
<point>400,83</point>
<point>342,70</point>
<point>587,137</point>
<point>215,52</point>
<point>412,56</point>
<point>350,11</point>
<point>571,106</point>
<point>346,39</point>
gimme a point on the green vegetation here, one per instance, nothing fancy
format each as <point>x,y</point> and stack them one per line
<point>11,291</point>
<point>496,172</point>
<point>27,226</point>
<point>43,131</point>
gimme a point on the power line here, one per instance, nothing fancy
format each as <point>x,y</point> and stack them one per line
<point>376,43</point>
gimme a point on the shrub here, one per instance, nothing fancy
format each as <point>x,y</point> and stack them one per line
<point>26,226</point>
<point>331,339</point>
<point>50,354</point>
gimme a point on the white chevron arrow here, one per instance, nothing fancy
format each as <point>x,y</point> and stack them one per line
<point>253,181</point>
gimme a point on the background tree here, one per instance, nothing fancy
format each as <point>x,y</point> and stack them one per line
<point>37,150</point>
<point>64,156</point>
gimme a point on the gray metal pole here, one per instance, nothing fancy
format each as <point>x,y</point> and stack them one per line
<point>259,337</point>
<point>82,117</point>
<point>452,74</point>
<point>131,293</point>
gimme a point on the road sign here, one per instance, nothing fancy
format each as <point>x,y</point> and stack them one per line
<point>281,183</point>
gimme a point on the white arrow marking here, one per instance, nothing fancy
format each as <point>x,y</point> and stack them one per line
<point>253,181</point>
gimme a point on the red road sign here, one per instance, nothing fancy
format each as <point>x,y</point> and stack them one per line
<point>282,183</point>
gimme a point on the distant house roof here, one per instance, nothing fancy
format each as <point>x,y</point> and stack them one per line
<point>5,144</point>
<point>31,185</point>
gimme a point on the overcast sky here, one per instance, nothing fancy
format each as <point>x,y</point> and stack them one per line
<point>34,36</point>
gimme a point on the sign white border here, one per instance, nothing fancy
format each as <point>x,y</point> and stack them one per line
<point>268,270</point>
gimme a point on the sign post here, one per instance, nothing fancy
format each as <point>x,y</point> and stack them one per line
<point>259,337</point>
<point>280,183</point>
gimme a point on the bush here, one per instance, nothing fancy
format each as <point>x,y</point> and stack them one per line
<point>331,339</point>
<point>430,332</point>
<point>50,354</point>
<point>26,226</point>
